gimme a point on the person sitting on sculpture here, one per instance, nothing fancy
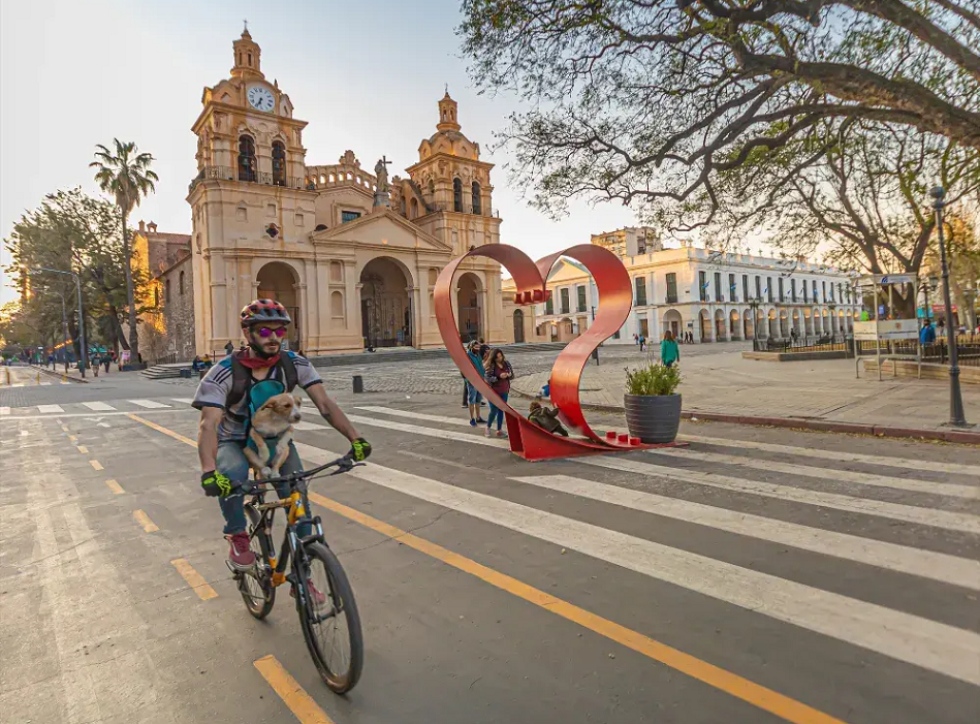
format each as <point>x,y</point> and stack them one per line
<point>547,418</point>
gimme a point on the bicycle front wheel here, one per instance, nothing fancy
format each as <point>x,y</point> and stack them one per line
<point>329,618</point>
<point>255,585</point>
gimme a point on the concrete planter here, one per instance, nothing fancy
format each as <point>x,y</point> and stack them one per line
<point>653,418</point>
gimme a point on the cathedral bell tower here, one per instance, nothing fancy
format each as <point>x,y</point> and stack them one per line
<point>247,57</point>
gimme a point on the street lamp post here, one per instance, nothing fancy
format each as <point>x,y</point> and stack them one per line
<point>83,357</point>
<point>957,418</point>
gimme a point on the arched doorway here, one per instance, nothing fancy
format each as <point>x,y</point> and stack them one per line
<point>733,326</point>
<point>705,323</point>
<point>773,324</point>
<point>673,321</point>
<point>386,309</point>
<point>796,322</point>
<point>468,312</point>
<point>278,281</point>
<point>518,325</point>
<point>720,322</point>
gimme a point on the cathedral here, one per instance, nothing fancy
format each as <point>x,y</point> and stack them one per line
<point>353,255</point>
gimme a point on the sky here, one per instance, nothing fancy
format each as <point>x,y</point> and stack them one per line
<point>367,76</point>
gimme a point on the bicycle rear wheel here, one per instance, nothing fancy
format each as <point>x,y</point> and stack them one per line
<point>255,585</point>
<point>329,619</point>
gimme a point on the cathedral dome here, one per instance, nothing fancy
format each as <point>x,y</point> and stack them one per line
<point>448,137</point>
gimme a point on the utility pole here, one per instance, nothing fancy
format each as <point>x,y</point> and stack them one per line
<point>957,417</point>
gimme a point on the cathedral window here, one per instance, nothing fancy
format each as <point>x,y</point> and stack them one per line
<point>180,284</point>
<point>414,207</point>
<point>246,159</point>
<point>166,292</point>
<point>457,195</point>
<point>278,163</point>
<point>346,216</point>
<point>477,205</point>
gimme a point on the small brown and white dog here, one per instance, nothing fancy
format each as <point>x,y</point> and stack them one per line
<point>272,424</point>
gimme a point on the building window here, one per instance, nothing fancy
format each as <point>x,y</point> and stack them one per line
<point>413,209</point>
<point>246,159</point>
<point>815,300</point>
<point>719,297</point>
<point>806,292</point>
<point>166,292</point>
<point>278,163</point>
<point>457,195</point>
<point>823,291</point>
<point>580,293</point>
<point>769,291</point>
<point>477,201</point>
<point>671,288</point>
<point>180,284</point>
<point>745,287</point>
<point>564,300</point>
<point>346,216</point>
<point>732,289</point>
<point>640,284</point>
<point>758,288</point>
<point>831,291</point>
<point>792,289</point>
<point>703,286</point>
<point>782,294</point>
<point>549,306</point>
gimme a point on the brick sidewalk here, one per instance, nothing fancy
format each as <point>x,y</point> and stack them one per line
<point>813,393</point>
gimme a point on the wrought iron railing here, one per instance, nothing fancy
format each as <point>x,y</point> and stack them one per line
<point>229,173</point>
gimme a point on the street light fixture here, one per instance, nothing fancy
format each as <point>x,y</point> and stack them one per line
<point>957,418</point>
<point>83,357</point>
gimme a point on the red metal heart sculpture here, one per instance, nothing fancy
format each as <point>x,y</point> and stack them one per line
<point>615,301</point>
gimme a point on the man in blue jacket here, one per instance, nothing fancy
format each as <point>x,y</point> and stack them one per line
<point>927,335</point>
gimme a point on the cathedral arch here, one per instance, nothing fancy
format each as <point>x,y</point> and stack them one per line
<point>387,319</point>
<point>278,163</point>
<point>477,202</point>
<point>246,158</point>
<point>457,194</point>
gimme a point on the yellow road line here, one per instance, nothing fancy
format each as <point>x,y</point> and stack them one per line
<point>114,486</point>
<point>292,694</point>
<point>194,579</point>
<point>144,520</point>
<point>96,464</point>
<point>72,438</point>
<point>82,449</point>
<point>737,686</point>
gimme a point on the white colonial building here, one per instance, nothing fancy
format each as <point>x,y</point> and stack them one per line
<point>715,296</point>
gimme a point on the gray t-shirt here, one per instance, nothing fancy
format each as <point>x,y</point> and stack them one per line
<point>214,389</point>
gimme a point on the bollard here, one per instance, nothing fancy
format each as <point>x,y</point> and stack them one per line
<point>358,384</point>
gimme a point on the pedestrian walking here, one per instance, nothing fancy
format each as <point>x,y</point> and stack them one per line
<point>670,353</point>
<point>230,347</point>
<point>643,342</point>
<point>474,397</point>
<point>498,373</point>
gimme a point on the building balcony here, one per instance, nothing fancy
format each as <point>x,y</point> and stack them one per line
<point>228,173</point>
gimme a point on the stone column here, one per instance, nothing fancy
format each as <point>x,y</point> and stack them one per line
<point>303,338</point>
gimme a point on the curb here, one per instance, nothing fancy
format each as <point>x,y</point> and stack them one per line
<point>959,437</point>
<point>60,375</point>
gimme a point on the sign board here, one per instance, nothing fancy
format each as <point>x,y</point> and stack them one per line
<point>886,329</point>
<point>885,279</point>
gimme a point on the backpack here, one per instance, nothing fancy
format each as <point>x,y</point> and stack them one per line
<point>242,383</point>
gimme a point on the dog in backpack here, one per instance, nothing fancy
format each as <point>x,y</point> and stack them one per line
<point>271,433</point>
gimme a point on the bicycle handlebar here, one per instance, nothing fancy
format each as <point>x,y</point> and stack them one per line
<point>343,464</point>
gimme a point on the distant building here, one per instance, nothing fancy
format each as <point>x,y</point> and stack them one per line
<point>714,295</point>
<point>166,332</point>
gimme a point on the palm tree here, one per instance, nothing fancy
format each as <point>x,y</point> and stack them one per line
<point>127,176</point>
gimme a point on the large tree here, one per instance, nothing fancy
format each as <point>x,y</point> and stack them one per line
<point>125,174</point>
<point>653,102</point>
<point>71,231</point>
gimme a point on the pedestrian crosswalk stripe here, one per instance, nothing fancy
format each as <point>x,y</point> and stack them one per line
<point>948,520</point>
<point>897,511</point>
<point>926,564</point>
<point>50,408</point>
<point>44,384</point>
<point>151,404</point>
<point>915,640</point>
<point>845,476</point>
<point>98,406</point>
<point>184,400</point>
<point>4,410</point>
<point>414,415</point>
<point>303,425</point>
<point>839,455</point>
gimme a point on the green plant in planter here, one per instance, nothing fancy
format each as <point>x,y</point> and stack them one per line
<point>654,379</point>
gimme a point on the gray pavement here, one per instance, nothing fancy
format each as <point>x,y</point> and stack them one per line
<point>756,576</point>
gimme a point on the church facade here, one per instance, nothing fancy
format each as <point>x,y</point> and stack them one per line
<point>353,255</point>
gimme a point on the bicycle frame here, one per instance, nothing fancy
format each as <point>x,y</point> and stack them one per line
<point>297,506</point>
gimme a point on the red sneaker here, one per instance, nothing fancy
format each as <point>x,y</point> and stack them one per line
<point>240,555</point>
<point>316,595</point>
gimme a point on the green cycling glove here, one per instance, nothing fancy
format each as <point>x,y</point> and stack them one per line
<point>360,450</point>
<point>216,484</point>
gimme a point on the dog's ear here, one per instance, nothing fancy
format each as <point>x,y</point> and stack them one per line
<point>283,403</point>
<point>298,400</point>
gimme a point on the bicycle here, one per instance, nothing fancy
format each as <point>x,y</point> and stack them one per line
<point>329,598</point>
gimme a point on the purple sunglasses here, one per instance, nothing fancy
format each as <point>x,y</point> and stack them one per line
<point>266,332</point>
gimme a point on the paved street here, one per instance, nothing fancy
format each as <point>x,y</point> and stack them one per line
<point>756,576</point>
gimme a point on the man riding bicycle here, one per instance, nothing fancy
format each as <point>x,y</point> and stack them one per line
<point>224,398</point>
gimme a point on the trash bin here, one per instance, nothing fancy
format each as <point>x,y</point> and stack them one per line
<point>185,372</point>
<point>358,384</point>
